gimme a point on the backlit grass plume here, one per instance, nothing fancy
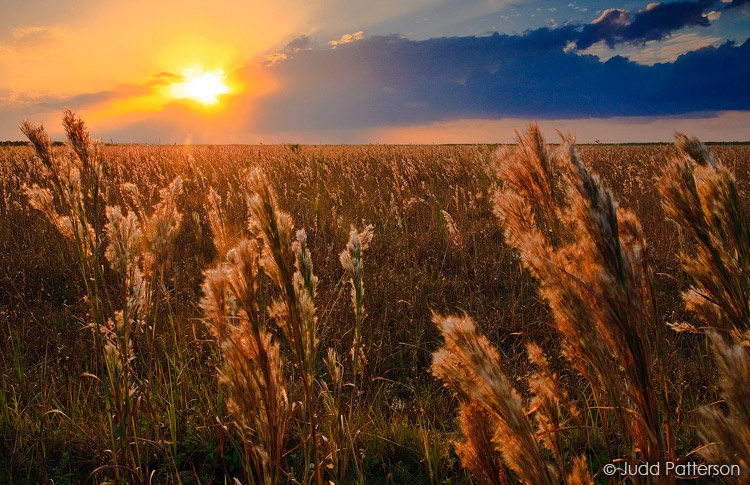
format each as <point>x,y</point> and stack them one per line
<point>477,450</point>
<point>728,434</point>
<point>160,229</point>
<point>590,258</point>
<point>340,423</point>
<point>288,263</point>
<point>552,409</point>
<point>103,238</point>
<point>252,369</point>
<point>71,197</point>
<point>470,366</point>
<point>591,261</point>
<point>123,394</point>
<point>492,415</point>
<point>700,194</point>
<point>351,261</point>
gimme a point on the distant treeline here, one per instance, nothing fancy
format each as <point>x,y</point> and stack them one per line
<point>23,143</point>
<point>297,146</point>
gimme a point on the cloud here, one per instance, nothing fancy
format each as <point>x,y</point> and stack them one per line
<point>298,44</point>
<point>655,52</point>
<point>126,101</point>
<point>272,59</point>
<point>165,78</point>
<point>655,22</point>
<point>381,81</point>
<point>735,3</point>
<point>99,99</point>
<point>346,39</point>
<point>32,40</point>
<point>638,64</point>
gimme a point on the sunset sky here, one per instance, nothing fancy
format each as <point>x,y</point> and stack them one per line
<point>389,71</point>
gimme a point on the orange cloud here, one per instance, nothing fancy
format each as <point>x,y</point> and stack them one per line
<point>347,38</point>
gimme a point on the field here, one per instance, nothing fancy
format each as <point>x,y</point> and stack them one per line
<point>192,335</point>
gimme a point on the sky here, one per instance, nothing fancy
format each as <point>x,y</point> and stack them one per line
<point>353,71</point>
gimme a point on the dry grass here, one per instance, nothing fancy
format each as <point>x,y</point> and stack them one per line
<point>592,262</point>
<point>109,373</point>
<point>471,366</point>
<point>701,196</point>
<point>252,369</point>
<point>593,266</point>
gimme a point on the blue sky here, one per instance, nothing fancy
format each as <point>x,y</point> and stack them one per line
<point>332,71</point>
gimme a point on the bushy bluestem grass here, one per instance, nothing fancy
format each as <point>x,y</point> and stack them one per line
<point>253,370</point>
<point>122,259</point>
<point>701,196</point>
<point>591,260</point>
<point>436,247</point>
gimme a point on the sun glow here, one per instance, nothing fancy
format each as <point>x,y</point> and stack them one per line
<point>203,87</point>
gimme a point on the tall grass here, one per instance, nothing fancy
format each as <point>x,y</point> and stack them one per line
<point>161,321</point>
<point>72,199</point>
<point>591,261</point>
<point>701,196</point>
<point>470,365</point>
<point>593,266</point>
<point>122,260</point>
<point>252,368</point>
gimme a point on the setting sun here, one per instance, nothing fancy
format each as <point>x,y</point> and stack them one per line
<point>203,87</point>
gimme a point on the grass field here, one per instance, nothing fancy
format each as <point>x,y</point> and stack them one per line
<point>162,320</point>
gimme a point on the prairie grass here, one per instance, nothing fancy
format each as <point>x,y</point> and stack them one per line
<point>160,319</point>
<point>252,370</point>
<point>701,195</point>
<point>592,262</point>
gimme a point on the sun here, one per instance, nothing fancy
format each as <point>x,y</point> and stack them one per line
<point>203,87</point>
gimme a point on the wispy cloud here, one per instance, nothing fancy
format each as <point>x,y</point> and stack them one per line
<point>655,52</point>
<point>33,40</point>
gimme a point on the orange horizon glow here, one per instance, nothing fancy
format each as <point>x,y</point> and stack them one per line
<point>208,105</point>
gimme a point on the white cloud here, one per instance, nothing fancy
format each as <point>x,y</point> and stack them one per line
<point>654,52</point>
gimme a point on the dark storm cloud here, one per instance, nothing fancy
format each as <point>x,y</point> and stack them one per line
<point>391,80</point>
<point>654,23</point>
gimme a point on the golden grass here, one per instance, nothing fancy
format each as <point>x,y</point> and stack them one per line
<point>115,257</point>
<point>592,262</point>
